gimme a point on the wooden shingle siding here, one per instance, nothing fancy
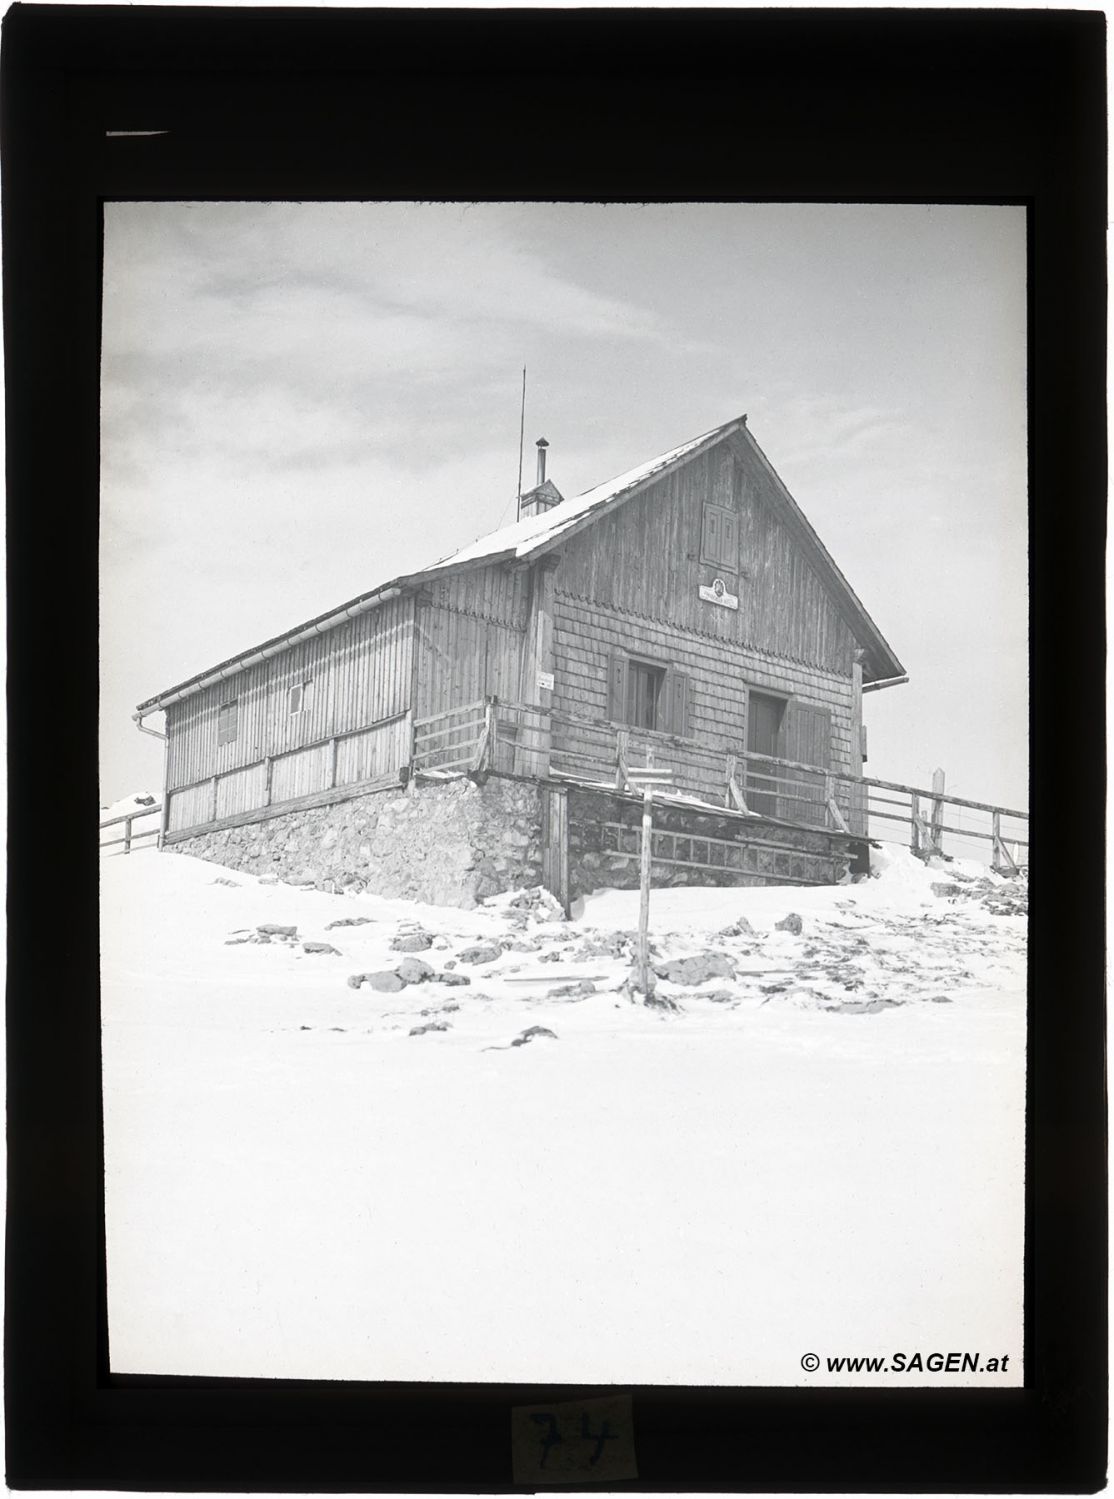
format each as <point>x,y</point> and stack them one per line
<point>645,557</point>
<point>588,637</point>
<point>361,674</point>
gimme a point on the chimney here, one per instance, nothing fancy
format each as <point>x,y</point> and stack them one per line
<point>544,494</point>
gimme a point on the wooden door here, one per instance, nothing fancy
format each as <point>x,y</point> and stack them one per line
<point>807,738</point>
<point>764,721</point>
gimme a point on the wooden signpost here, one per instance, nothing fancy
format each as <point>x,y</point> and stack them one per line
<point>644,778</point>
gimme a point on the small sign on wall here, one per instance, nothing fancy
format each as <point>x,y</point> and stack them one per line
<point>545,679</point>
<point>717,594</point>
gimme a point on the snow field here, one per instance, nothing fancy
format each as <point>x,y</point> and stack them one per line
<point>297,1186</point>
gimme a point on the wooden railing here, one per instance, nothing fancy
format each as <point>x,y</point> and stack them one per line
<point>127,818</point>
<point>522,738</point>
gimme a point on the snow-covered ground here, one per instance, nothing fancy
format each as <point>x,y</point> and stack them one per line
<point>817,1150</point>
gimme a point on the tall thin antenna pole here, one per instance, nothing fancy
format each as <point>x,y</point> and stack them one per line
<point>521,436</point>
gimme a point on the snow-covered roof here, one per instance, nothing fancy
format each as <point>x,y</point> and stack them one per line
<point>526,538</point>
<point>521,539</point>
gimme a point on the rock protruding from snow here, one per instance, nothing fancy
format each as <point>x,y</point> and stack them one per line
<point>481,952</point>
<point>325,948</point>
<point>534,1033</point>
<point>741,927</point>
<point>350,921</point>
<point>526,907</point>
<point>697,969</point>
<point>385,981</point>
<point>414,971</point>
<point>454,980</point>
<point>273,929</point>
<point>579,990</point>
<point>791,923</point>
<point>430,1025</point>
<point>412,939</point>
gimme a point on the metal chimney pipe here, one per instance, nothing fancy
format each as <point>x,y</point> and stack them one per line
<point>542,445</point>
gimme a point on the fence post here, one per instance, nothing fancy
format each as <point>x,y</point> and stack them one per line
<point>647,853</point>
<point>915,818</point>
<point>832,806</point>
<point>268,763</point>
<point>622,739</point>
<point>936,817</point>
<point>127,835</point>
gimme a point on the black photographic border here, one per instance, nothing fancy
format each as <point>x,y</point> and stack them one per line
<point>977,106</point>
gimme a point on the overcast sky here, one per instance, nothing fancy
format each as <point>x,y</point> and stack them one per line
<point>300,401</point>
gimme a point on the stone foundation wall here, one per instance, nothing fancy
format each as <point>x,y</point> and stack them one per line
<point>450,844</point>
<point>799,854</point>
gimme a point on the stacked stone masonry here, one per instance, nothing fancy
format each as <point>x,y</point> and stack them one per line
<point>454,843</point>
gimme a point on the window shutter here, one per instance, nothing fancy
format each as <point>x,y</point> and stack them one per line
<point>710,546</point>
<point>617,689</point>
<point>677,688</point>
<point>730,557</point>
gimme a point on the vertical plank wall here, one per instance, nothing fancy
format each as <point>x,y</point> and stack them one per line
<point>469,636</point>
<point>361,673</point>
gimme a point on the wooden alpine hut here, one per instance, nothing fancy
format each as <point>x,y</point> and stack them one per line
<point>490,706</point>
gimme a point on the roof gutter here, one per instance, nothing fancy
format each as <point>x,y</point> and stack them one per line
<point>885,682</point>
<point>272,648</point>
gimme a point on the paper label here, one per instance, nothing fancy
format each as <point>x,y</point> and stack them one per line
<point>573,1441</point>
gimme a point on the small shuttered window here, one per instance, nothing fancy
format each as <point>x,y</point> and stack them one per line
<point>719,539</point>
<point>228,721</point>
<point>648,695</point>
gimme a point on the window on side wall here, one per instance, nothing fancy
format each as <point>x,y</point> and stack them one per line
<point>228,721</point>
<point>299,698</point>
<point>648,695</point>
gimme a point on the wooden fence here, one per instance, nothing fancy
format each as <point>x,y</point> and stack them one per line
<point>130,837</point>
<point>521,738</point>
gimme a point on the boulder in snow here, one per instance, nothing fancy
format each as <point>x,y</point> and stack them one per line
<point>791,923</point>
<point>572,991</point>
<point>273,929</point>
<point>430,1025</point>
<point>415,940</point>
<point>482,952</point>
<point>454,980</point>
<point>321,947</point>
<point>350,921</point>
<point>696,970</point>
<point>385,982</point>
<point>414,971</point>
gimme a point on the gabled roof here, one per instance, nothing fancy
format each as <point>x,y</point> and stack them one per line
<point>530,538</point>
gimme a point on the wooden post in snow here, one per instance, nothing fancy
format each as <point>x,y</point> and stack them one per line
<point>646,777</point>
<point>644,882</point>
<point>936,817</point>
